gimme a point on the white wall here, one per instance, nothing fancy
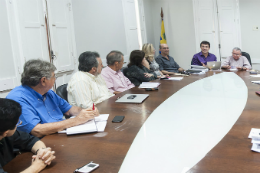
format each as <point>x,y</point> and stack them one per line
<point>250,17</point>
<point>179,28</point>
<point>99,26</point>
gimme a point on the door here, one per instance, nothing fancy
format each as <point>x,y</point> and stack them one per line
<point>206,25</point>
<point>60,13</point>
<point>8,74</point>
<point>228,25</point>
<point>130,25</point>
<point>32,30</point>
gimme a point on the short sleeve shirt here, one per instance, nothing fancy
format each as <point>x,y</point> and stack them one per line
<point>37,108</point>
<point>20,140</point>
<point>167,65</point>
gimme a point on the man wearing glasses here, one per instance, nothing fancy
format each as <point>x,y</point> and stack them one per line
<point>9,137</point>
<point>167,65</point>
<point>42,108</point>
<point>204,56</point>
<point>236,61</point>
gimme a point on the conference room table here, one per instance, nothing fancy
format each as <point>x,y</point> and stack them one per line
<point>232,153</point>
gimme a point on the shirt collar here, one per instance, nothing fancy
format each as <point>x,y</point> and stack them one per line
<point>112,71</point>
<point>36,94</point>
<point>203,55</point>
<point>90,75</point>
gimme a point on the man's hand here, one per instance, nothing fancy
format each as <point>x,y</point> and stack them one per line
<point>116,92</point>
<point>148,75</point>
<point>37,164</point>
<point>86,115</point>
<point>45,154</point>
<point>241,68</point>
<point>180,69</point>
<point>226,66</point>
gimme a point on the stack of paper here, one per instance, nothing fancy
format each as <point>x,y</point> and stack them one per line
<point>255,135</point>
<point>256,82</point>
<point>97,125</point>
<point>149,85</point>
<point>258,75</point>
<point>174,78</point>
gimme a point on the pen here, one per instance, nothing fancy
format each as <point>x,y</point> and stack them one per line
<point>93,107</point>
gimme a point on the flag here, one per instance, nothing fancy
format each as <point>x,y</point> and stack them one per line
<point>163,35</point>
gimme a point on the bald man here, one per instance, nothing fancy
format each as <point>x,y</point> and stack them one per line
<point>167,65</point>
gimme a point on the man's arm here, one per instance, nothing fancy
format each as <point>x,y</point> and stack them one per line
<point>41,130</point>
<point>40,151</point>
<point>167,72</point>
<point>37,166</point>
<point>74,111</point>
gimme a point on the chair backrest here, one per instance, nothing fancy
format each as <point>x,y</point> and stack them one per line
<point>62,91</point>
<point>247,56</point>
<point>124,70</point>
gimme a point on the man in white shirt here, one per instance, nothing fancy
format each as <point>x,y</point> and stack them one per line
<point>236,61</point>
<point>87,86</point>
<point>115,79</point>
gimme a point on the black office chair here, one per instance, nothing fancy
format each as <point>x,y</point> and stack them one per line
<point>247,56</point>
<point>124,70</point>
<point>62,91</point>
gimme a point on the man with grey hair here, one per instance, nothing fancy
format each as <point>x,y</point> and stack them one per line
<point>236,61</point>
<point>42,109</point>
<point>115,79</point>
<point>87,87</point>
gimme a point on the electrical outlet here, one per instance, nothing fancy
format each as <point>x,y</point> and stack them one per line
<point>255,28</point>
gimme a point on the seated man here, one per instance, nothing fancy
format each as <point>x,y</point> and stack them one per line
<point>87,86</point>
<point>167,65</point>
<point>115,79</point>
<point>204,56</point>
<point>236,61</point>
<point>42,109</point>
<point>10,137</point>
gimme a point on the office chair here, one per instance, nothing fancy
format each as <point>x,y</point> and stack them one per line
<point>124,70</point>
<point>62,91</point>
<point>247,56</point>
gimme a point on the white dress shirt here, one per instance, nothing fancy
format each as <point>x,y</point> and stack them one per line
<point>84,89</point>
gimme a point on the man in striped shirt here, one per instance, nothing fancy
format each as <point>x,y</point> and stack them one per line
<point>87,86</point>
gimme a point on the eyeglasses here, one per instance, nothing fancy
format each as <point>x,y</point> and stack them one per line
<point>236,54</point>
<point>165,48</point>
<point>19,123</point>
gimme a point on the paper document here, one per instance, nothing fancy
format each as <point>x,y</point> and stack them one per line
<point>253,132</point>
<point>258,75</point>
<point>256,82</point>
<point>175,78</point>
<point>98,125</point>
<point>149,85</point>
<point>256,147</point>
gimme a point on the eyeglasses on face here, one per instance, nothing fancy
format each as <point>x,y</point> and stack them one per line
<point>165,48</point>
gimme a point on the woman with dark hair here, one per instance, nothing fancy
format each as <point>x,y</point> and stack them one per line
<point>138,69</point>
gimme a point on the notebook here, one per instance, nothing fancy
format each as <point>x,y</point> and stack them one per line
<point>98,125</point>
<point>132,98</point>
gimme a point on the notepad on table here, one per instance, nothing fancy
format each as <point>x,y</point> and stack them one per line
<point>98,125</point>
<point>149,85</point>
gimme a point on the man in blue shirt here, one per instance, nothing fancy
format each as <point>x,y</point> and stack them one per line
<point>42,109</point>
<point>204,56</point>
<point>167,65</point>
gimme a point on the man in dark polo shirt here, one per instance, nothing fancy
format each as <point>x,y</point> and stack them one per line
<point>167,65</point>
<point>11,138</point>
